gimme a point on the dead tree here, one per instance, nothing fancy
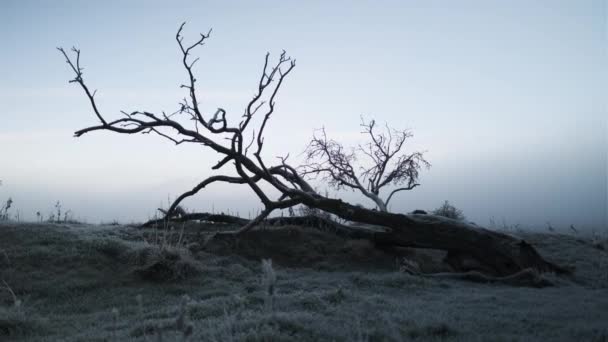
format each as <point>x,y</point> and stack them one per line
<point>387,163</point>
<point>241,146</point>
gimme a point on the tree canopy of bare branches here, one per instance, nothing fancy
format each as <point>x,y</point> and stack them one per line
<point>387,164</point>
<point>241,145</point>
<point>189,124</point>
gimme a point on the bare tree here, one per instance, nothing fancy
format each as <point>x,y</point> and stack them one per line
<point>387,163</point>
<point>241,145</point>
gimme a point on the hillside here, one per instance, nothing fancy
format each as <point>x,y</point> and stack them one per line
<point>113,283</point>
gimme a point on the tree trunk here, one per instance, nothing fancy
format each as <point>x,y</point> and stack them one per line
<point>350,232</point>
<point>498,253</point>
<point>494,253</point>
<point>220,218</point>
<point>379,203</point>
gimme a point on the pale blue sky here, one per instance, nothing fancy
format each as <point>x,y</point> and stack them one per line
<point>507,97</point>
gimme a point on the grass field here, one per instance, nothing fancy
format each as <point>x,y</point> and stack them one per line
<point>79,282</point>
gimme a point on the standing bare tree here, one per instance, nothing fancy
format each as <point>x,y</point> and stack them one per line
<point>241,146</point>
<point>387,163</point>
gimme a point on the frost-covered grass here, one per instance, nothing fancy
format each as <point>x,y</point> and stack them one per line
<point>109,283</point>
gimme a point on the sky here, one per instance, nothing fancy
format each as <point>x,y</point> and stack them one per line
<point>506,98</point>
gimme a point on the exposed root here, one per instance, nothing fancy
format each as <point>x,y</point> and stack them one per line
<point>526,277</point>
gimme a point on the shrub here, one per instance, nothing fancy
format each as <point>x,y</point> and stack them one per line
<point>449,211</point>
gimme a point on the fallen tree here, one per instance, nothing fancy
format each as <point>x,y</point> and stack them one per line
<point>313,221</point>
<point>185,217</point>
<point>497,253</point>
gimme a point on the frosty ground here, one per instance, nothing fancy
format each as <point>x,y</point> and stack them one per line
<point>78,282</point>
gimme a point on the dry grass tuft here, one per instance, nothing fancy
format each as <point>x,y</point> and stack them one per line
<point>15,320</point>
<point>269,280</point>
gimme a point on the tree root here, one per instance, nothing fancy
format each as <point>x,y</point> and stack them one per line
<point>526,277</point>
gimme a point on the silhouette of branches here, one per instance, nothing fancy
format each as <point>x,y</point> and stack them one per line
<point>502,254</point>
<point>203,127</point>
<point>389,164</point>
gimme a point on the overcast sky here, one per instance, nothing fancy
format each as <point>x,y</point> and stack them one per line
<point>508,98</point>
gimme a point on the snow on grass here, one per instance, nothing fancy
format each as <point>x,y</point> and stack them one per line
<point>84,282</point>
